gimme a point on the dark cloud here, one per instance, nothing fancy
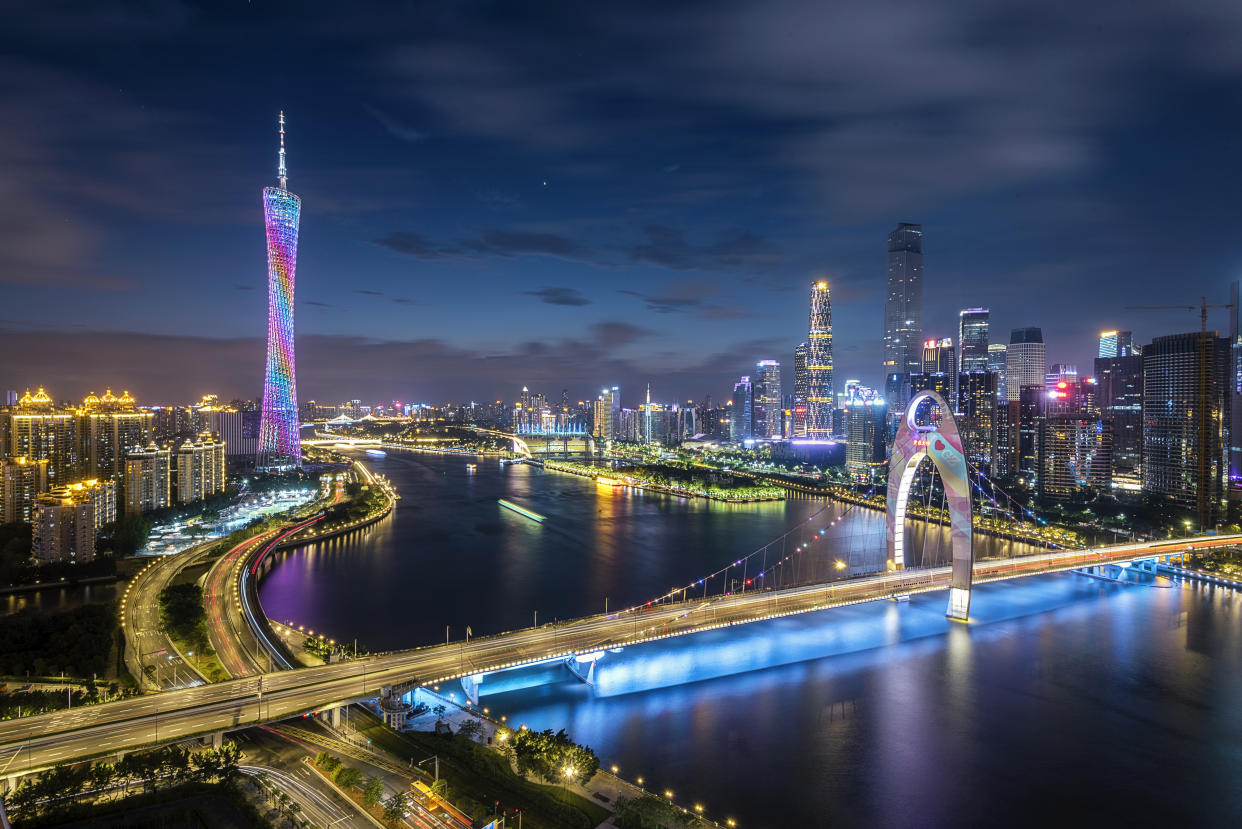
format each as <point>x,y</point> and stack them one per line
<point>613,334</point>
<point>559,296</point>
<point>411,244</point>
<point>513,243</point>
<point>316,304</point>
<point>678,296</point>
<point>667,247</point>
<point>394,127</point>
<point>368,292</point>
<point>489,242</point>
<point>400,300</point>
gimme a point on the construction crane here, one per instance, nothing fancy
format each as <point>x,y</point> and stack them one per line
<point>1203,487</point>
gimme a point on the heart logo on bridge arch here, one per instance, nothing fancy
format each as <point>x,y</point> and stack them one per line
<point>939,445</point>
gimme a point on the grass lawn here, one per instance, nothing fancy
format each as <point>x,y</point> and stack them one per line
<point>478,776</point>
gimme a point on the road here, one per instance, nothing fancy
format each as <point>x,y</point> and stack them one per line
<point>34,742</point>
<point>145,643</point>
<point>231,636</point>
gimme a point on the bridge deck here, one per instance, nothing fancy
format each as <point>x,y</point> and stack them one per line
<point>37,742</point>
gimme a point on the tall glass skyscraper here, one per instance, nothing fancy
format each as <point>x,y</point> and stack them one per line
<point>742,413</point>
<point>1116,344</point>
<point>1024,361</point>
<point>800,391</point>
<point>972,338</point>
<point>280,443</point>
<point>1185,410</point>
<point>767,412</point>
<point>820,395</point>
<point>997,355</point>
<point>903,311</point>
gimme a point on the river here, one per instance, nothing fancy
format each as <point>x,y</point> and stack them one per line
<point>1064,699</point>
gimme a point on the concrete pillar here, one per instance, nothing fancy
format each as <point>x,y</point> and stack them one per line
<point>336,717</point>
<point>217,740</point>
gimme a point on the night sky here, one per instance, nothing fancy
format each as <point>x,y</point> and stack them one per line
<point>566,195</point>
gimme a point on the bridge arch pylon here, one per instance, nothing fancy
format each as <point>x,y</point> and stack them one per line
<point>943,446</point>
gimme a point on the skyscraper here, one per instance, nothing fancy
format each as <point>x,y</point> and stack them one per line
<point>972,338</point>
<point>903,310</point>
<point>800,391</point>
<point>768,399</point>
<point>1076,455</point>
<point>200,468</point>
<point>865,431</point>
<point>976,406</point>
<point>1116,344</point>
<point>742,413</point>
<point>280,443</point>
<point>1185,407</point>
<point>1119,395</point>
<point>820,394</point>
<point>1233,489</point>
<point>939,357</point>
<point>148,479</point>
<point>1024,361</point>
<point>608,414</point>
<point>21,482</point>
<point>996,364</point>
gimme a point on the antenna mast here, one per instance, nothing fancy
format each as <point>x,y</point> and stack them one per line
<point>281,174</point>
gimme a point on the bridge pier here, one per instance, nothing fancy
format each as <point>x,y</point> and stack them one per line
<point>217,740</point>
<point>470,687</point>
<point>334,718</point>
<point>575,665</point>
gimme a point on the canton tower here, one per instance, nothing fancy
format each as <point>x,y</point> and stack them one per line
<point>280,443</point>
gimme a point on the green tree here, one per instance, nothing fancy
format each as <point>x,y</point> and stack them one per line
<point>394,808</point>
<point>347,777</point>
<point>374,791</point>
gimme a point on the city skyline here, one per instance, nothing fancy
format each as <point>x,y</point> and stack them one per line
<point>686,265</point>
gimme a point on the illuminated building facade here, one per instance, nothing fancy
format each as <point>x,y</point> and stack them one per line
<point>279,440</point>
<point>865,430</point>
<point>21,482</point>
<point>200,468</point>
<point>997,353</point>
<point>903,310</point>
<point>66,520</point>
<point>38,431</point>
<point>1119,394</point>
<point>800,391</point>
<point>1184,450</point>
<point>742,412</point>
<point>148,477</point>
<point>1117,344</point>
<point>109,426</point>
<point>939,357</point>
<point>972,338</point>
<point>1076,455</point>
<point>1024,361</point>
<point>977,413</point>
<point>767,411</point>
<point>608,414</point>
<point>820,394</point>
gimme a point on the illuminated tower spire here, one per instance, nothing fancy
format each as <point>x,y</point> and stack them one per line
<point>279,440</point>
<point>281,173</point>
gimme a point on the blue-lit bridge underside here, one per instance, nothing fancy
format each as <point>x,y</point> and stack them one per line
<point>98,730</point>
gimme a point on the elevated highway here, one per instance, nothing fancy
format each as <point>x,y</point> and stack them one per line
<point>32,743</point>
